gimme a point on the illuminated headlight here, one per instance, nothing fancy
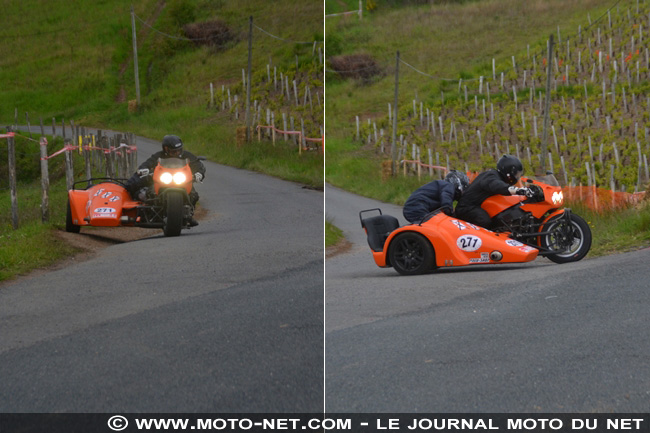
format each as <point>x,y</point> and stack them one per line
<point>558,197</point>
<point>166,178</point>
<point>179,178</point>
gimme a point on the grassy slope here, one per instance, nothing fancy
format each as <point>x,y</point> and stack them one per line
<point>446,41</point>
<point>73,60</point>
<point>466,36</point>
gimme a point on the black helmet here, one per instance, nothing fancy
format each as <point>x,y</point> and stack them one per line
<point>459,180</point>
<point>510,169</point>
<point>172,145</point>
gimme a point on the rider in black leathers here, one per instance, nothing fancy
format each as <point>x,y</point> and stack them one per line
<point>491,182</point>
<point>172,147</point>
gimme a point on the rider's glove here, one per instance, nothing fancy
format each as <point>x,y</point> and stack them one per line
<point>143,172</point>
<point>198,177</point>
<point>447,210</point>
<point>520,191</point>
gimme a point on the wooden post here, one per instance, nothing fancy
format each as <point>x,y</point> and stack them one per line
<point>86,153</point>
<point>110,166</point>
<point>303,141</point>
<point>557,147</point>
<point>357,117</point>
<point>12,181</point>
<point>248,80</point>
<point>548,102</point>
<point>69,173</point>
<point>45,182</point>
<point>135,59</point>
<point>45,178</point>
<point>295,92</point>
<point>393,147</point>
<point>29,127</point>
<point>284,126</point>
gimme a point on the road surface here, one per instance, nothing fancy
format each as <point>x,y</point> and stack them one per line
<point>535,337</point>
<point>228,317</point>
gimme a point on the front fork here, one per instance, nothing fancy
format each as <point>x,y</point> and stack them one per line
<point>188,211</point>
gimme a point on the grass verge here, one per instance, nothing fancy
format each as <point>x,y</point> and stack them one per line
<point>34,244</point>
<point>333,234</point>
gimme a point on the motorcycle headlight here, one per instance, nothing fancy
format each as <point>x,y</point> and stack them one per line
<point>166,178</point>
<point>179,178</point>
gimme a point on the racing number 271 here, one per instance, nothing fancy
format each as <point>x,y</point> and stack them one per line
<point>469,243</point>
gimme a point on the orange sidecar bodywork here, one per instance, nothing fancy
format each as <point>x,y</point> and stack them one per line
<point>102,205</point>
<point>459,243</point>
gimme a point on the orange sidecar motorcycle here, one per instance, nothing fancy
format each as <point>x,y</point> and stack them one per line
<point>524,227</point>
<point>109,204</point>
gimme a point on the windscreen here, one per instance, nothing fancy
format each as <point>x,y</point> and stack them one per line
<point>548,179</point>
<point>172,162</point>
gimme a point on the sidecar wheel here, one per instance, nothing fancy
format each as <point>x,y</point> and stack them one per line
<point>573,238</point>
<point>70,227</point>
<point>173,222</point>
<point>411,254</point>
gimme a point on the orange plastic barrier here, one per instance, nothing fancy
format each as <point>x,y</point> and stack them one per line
<point>600,199</point>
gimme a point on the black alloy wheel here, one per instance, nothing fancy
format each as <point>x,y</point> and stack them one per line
<point>411,254</point>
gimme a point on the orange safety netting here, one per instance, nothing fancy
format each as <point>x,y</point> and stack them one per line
<point>600,199</point>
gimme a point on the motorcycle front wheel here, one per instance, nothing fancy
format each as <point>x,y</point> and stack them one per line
<point>571,237</point>
<point>173,222</point>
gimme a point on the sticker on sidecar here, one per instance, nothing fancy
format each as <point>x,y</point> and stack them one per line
<point>104,212</point>
<point>99,191</point>
<point>114,198</point>
<point>464,225</point>
<point>469,243</point>
<point>485,258</point>
<point>107,195</point>
<point>458,224</point>
<point>514,243</point>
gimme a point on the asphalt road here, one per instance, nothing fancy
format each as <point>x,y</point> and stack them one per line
<point>537,337</point>
<point>228,317</point>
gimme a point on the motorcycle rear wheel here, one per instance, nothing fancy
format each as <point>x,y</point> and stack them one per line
<point>411,254</point>
<point>173,222</point>
<point>572,237</point>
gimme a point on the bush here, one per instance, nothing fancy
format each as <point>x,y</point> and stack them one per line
<point>213,33</point>
<point>361,66</point>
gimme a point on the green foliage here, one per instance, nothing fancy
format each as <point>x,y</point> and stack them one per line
<point>182,12</point>
<point>333,44</point>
